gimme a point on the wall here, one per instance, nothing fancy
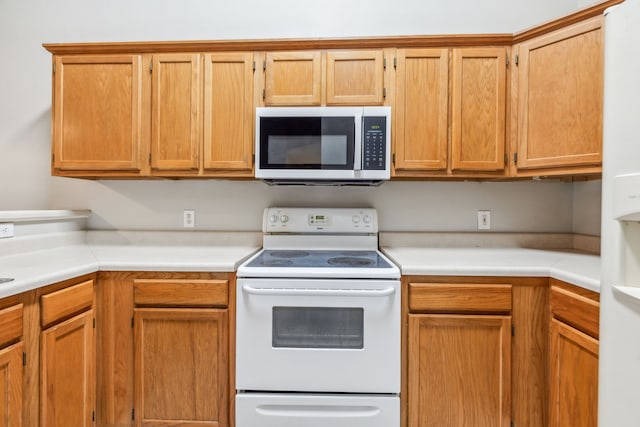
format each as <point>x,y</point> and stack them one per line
<point>25,103</point>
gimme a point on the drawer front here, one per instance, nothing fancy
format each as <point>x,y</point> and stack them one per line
<point>459,298</point>
<point>10,324</point>
<point>66,302</point>
<point>579,311</point>
<point>181,293</point>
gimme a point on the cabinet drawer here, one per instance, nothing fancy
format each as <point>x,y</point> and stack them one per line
<point>579,311</point>
<point>459,298</point>
<point>10,324</point>
<point>181,293</point>
<point>66,302</point>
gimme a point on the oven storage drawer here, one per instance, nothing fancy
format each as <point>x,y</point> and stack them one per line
<point>313,410</point>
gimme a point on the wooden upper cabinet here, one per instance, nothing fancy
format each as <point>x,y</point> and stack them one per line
<point>175,108</point>
<point>355,77</point>
<point>478,102</point>
<point>560,98</point>
<point>421,109</point>
<point>97,112</point>
<point>293,78</point>
<point>228,112</point>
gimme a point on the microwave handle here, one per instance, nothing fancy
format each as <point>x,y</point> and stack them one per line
<point>357,152</point>
<point>385,292</point>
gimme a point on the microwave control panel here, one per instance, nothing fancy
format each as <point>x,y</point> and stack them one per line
<point>374,147</point>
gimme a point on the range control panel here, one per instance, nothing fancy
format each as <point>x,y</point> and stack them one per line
<point>320,220</point>
<point>374,147</point>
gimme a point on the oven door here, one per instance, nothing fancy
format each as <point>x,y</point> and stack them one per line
<point>318,335</point>
<point>296,410</point>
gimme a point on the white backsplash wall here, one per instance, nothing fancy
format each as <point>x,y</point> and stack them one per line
<point>402,206</point>
<point>25,112</point>
<point>586,207</point>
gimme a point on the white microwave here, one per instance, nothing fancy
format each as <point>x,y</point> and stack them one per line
<point>323,145</point>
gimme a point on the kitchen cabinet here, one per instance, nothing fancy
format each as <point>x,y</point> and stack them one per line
<point>97,114</point>
<point>67,356</point>
<point>346,77</point>
<point>450,129</point>
<point>573,356</point>
<point>459,354</point>
<point>11,369</point>
<point>559,101</point>
<point>166,348</point>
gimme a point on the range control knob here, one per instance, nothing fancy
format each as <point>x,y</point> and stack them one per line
<point>273,219</point>
<point>366,219</point>
<point>355,219</point>
<point>284,218</point>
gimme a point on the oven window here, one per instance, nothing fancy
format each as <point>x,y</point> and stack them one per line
<point>318,327</point>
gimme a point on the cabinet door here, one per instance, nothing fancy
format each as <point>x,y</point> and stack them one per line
<point>181,365</point>
<point>293,78</point>
<point>67,373</point>
<point>97,113</point>
<point>459,370</point>
<point>478,109</point>
<point>175,122</point>
<point>11,386</point>
<point>574,377</point>
<point>560,93</point>
<point>228,112</point>
<point>355,78</point>
<point>421,109</point>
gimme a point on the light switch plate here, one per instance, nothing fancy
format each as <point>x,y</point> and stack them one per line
<point>484,220</point>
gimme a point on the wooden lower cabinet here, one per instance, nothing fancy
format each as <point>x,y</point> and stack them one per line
<point>181,367</point>
<point>459,370</point>
<point>11,371</point>
<point>67,373</point>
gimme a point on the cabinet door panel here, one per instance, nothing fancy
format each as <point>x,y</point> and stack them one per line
<point>175,123</point>
<point>560,98</point>
<point>459,371</point>
<point>11,386</point>
<point>574,377</point>
<point>355,78</point>
<point>293,78</point>
<point>478,109</point>
<point>228,109</point>
<point>97,112</point>
<point>67,373</point>
<point>181,367</point>
<point>421,111</point>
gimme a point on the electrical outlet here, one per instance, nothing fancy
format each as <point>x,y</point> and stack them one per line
<point>484,220</point>
<point>6,230</point>
<point>189,218</point>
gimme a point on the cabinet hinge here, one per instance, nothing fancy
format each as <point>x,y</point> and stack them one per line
<point>513,331</point>
<point>264,94</point>
<point>395,63</point>
<point>507,61</point>
<point>94,323</point>
<point>24,359</point>
<point>149,158</point>
<point>132,322</point>
<point>93,415</point>
<point>53,158</point>
<point>506,159</point>
<point>264,65</point>
<point>384,63</point>
<point>512,424</point>
<point>384,93</point>
<point>253,159</point>
<point>516,60</point>
<point>515,158</point>
<point>254,66</point>
<point>54,68</point>
<point>133,414</point>
<point>393,159</point>
<point>151,66</point>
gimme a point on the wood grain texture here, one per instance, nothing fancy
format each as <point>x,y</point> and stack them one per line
<point>421,110</point>
<point>293,78</point>
<point>581,312</point>
<point>574,377</point>
<point>175,112</point>
<point>530,350</point>
<point>228,113</point>
<point>459,371</point>
<point>67,373</point>
<point>459,298</point>
<point>560,98</point>
<point>62,304</point>
<point>180,293</point>
<point>11,324</point>
<point>11,385</point>
<point>355,77</point>
<point>92,95</point>
<point>31,378</point>
<point>478,109</point>
<point>181,374</point>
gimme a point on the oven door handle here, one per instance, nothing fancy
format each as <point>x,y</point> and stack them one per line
<point>385,292</point>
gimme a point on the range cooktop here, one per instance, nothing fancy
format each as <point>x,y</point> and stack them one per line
<point>318,259</point>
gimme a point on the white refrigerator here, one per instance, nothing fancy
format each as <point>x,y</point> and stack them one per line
<point>619,368</point>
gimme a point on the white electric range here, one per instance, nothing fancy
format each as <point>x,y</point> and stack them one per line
<point>318,324</point>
